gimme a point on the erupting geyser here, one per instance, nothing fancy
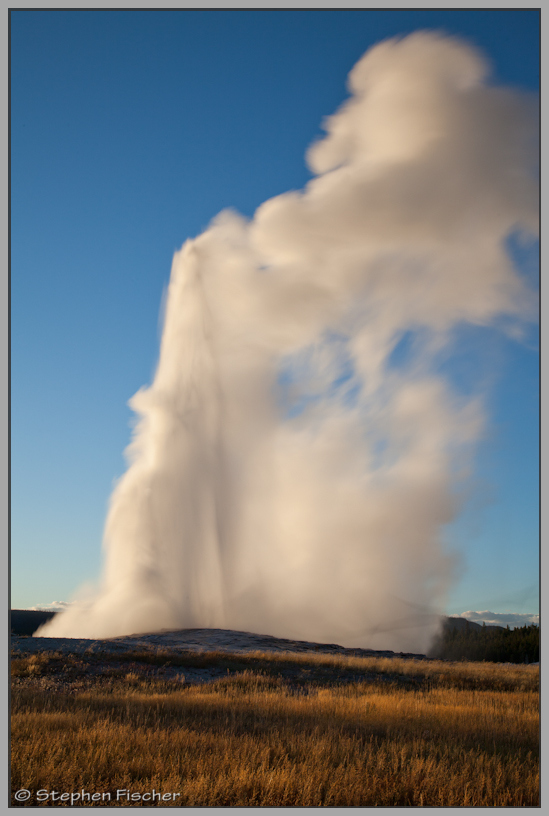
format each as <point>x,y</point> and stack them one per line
<point>286,475</point>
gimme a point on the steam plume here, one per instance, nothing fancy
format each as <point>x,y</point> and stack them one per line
<point>286,476</point>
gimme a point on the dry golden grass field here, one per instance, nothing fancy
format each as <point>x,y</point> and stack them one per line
<point>275,730</point>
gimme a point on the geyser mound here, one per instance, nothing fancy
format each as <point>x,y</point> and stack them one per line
<point>286,474</point>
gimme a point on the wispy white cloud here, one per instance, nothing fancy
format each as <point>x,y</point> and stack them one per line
<point>511,619</point>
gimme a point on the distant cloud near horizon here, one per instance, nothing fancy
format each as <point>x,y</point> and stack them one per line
<point>54,606</point>
<point>511,619</point>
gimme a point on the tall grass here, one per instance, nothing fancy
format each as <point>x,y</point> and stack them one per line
<point>463,735</point>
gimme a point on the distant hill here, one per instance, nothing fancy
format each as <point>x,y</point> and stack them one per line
<point>27,621</point>
<point>462,624</point>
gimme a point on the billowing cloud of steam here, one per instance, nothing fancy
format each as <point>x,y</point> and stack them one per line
<point>285,476</point>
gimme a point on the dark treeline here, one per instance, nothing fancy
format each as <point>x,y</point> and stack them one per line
<point>493,643</point>
<point>27,621</point>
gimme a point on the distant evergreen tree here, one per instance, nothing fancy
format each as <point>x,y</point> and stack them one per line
<point>491,643</point>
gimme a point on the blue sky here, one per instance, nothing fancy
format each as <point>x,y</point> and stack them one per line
<point>130,131</point>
